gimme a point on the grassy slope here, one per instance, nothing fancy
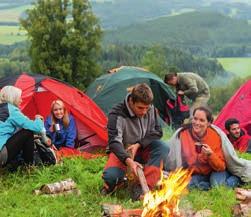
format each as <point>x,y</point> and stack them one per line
<point>238,66</point>
<point>11,34</point>
<point>17,199</point>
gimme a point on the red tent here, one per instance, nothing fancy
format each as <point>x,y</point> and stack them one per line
<point>38,93</point>
<point>238,107</point>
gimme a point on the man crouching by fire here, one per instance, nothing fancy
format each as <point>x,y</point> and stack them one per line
<point>134,140</point>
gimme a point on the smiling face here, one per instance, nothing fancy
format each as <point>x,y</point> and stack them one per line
<point>235,131</point>
<point>58,110</point>
<point>200,122</point>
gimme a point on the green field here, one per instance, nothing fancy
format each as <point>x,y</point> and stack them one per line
<point>13,15</point>
<point>239,66</point>
<point>11,34</point>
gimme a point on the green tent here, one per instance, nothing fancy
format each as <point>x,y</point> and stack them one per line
<point>111,88</point>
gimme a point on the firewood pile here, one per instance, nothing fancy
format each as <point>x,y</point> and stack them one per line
<point>243,208</point>
<point>64,187</point>
<point>116,210</point>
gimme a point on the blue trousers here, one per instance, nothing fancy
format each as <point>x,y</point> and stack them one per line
<point>205,182</point>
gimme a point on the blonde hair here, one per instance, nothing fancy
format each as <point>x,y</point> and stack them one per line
<point>66,119</point>
<point>10,94</point>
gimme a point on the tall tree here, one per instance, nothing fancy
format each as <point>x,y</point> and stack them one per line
<point>65,40</point>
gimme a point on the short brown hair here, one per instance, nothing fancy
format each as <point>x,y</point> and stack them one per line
<point>169,76</point>
<point>142,93</point>
<point>229,122</point>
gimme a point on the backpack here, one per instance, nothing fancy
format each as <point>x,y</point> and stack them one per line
<point>176,111</point>
<point>44,154</point>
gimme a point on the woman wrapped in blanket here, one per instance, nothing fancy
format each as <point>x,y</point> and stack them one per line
<point>201,150</point>
<point>16,130</point>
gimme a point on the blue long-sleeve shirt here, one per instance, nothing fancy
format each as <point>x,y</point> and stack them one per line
<point>12,119</point>
<point>65,136</point>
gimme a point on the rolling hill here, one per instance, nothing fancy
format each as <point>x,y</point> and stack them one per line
<point>118,13</point>
<point>193,30</point>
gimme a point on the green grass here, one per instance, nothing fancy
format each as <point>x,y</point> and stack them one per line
<point>11,34</point>
<point>239,66</point>
<point>17,199</point>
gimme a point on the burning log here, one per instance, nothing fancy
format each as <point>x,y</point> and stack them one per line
<point>115,210</point>
<point>164,201</point>
<point>243,194</point>
<point>142,180</point>
<point>64,187</point>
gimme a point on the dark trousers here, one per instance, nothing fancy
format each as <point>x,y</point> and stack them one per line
<point>23,141</point>
<point>154,156</point>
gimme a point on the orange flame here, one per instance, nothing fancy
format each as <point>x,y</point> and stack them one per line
<point>164,201</point>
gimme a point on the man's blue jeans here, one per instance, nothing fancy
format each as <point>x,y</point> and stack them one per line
<point>205,182</point>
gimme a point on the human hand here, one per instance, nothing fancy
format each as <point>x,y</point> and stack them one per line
<point>206,150</point>
<point>180,92</point>
<point>133,165</point>
<point>39,117</point>
<point>132,149</point>
<point>46,140</point>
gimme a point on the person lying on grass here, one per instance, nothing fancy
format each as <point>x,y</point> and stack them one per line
<point>16,130</point>
<point>201,151</point>
<point>134,139</point>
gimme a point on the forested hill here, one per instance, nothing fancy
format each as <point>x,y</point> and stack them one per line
<point>194,30</point>
<point>118,13</point>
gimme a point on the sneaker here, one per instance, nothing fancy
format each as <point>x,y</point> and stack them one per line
<point>47,154</point>
<point>121,184</point>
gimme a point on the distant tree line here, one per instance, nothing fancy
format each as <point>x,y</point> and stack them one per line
<point>158,59</point>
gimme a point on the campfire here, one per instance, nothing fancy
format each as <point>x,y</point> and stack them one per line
<point>164,200</point>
